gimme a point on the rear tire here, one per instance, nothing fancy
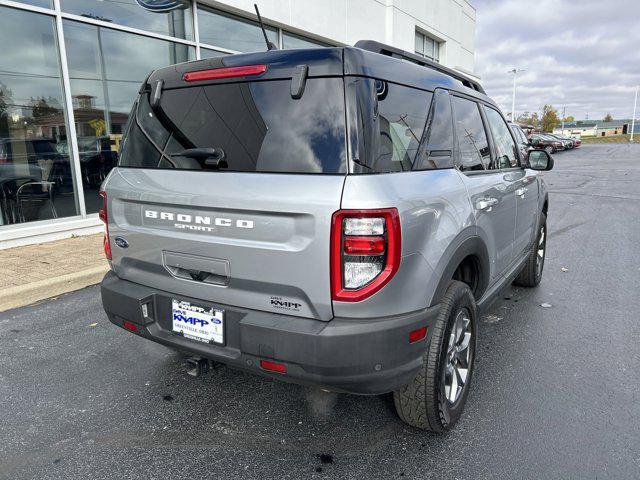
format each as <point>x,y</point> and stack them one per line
<point>435,398</point>
<point>531,274</point>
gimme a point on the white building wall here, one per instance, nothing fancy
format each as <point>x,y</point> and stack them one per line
<point>390,21</point>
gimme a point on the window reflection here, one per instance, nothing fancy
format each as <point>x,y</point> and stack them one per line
<point>36,181</point>
<point>209,53</point>
<point>176,23</point>
<point>290,40</point>
<point>38,3</point>
<point>235,33</point>
<point>249,122</point>
<point>473,145</point>
<point>106,68</point>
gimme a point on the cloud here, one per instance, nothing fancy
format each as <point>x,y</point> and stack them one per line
<point>582,55</point>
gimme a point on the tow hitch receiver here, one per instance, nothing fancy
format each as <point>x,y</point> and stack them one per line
<point>197,366</point>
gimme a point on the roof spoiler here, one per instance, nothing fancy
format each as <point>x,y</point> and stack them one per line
<point>381,48</point>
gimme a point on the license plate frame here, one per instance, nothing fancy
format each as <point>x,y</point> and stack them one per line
<point>204,324</point>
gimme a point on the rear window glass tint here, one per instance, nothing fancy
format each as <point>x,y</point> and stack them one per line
<point>391,120</point>
<point>257,125</point>
<point>473,145</point>
<point>437,150</point>
<point>504,145</point>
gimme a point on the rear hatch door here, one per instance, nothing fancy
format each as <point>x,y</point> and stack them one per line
<point>226,189</point>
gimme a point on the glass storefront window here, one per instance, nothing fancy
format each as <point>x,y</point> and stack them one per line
<point>106,69</point>
<point>290,40</point>
<point>36,174</point>
<point>132,13</point>
<point>234,33</point>
<point>38,3</point>
<point>209,53</point>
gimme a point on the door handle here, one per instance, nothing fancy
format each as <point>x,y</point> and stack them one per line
<point>521,191</point>
<point>486,203</point>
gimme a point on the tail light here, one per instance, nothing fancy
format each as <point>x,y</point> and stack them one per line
<point>102,214</point>
<point>365,252</point>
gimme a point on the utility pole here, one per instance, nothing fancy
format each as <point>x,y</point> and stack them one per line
<point>564,114</point>
<point>515,72</point>
<point>633,120</point>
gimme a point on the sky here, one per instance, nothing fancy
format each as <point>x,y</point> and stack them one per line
<point>580,54</point>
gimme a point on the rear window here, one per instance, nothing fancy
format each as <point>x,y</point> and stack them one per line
<point>254,126</point>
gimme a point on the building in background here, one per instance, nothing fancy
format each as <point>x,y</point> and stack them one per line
<point>594,129</point>
<point>70,70</point>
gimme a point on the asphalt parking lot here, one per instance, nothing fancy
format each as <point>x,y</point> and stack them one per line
<point>555,395</point>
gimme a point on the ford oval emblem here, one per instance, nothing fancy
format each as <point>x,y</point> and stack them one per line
<point>121,242</point>
<point>162,6</point>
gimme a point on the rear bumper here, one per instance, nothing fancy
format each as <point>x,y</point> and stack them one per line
<point>370,356</point>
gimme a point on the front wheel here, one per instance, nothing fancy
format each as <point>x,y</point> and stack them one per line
<point>531,273</point>
<point>435,398</point>
<point>549,150</point>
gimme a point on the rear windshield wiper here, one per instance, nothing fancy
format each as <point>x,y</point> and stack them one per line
<point>212,156</point>
<point>361,163</point>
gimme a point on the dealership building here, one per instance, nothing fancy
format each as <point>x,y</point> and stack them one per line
<point>70,69</point>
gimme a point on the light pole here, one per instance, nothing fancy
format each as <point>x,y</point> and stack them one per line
<point>515,72</point>
<point>633,120</point>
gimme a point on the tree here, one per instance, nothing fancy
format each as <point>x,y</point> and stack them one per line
<point>569,118</point>
<point>44,107</point>
<point>527,118</point>
<point>607,118</point>
<point>549,118</point>
<point>5,105</point>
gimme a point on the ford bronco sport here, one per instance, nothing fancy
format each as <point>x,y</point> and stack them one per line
<point>334,217</point>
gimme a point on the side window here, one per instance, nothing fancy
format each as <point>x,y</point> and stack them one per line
<point>506,149</point>
<point>473,145</point>
<point>522,137</point>
<point>437,150</point>
<point>402,114</point>
<point>391,121</point>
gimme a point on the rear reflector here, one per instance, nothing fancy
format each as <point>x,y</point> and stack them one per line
<point>130,326</point>
<point>102,215</point>
<point>226,72</point>
<point>417,335</point>
<point>273,366</point>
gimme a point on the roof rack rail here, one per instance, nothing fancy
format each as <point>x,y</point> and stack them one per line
<point>381,48</point>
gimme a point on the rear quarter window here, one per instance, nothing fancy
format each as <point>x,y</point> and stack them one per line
<point>437,149</point>
<point>390,121</point>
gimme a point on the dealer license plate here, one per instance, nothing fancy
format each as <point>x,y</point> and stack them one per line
<point>204,324</point>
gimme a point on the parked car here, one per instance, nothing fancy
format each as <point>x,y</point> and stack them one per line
<point>559,148</point>
<point>302,225</point>
<point>575,141</point>
<point>97,158</point>
<point>546,143</point>
<point>521,139</point>
<point>567,142</point>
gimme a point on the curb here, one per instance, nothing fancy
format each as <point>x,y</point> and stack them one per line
<point>23,295</point>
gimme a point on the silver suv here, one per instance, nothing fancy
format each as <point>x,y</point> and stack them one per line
<point>334,217</point>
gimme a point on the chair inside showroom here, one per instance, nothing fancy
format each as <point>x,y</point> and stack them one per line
<point>8,188</point>
<point>34,195</point>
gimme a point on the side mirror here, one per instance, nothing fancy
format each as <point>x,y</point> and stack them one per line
<point>540,160</point>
